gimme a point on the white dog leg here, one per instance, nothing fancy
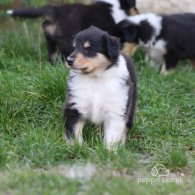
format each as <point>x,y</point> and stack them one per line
<point>114,133</point>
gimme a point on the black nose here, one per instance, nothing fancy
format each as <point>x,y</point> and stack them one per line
<point>70,60</point>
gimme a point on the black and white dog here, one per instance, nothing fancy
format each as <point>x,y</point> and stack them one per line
<point>62,22</point>
<point>101,87</point>
<point>167,38</point>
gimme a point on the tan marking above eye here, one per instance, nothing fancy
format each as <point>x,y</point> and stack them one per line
<point>86,44</point>
<point>88,65</point>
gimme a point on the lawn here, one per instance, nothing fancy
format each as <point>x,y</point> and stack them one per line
<point>34,158</point>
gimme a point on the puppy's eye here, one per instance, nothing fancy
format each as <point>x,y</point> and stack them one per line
<point>87,48</point>
<point>89,52</point>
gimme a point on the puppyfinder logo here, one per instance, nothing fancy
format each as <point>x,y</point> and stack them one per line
<point>159,174</point>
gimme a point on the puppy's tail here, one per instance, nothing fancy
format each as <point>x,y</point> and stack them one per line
<point>31,12</point>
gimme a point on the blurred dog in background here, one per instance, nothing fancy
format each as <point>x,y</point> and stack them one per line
<point>167,39</point>
<point>62,22</point>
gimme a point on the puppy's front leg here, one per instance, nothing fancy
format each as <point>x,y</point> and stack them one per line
<point>170,62</point>
<point>52,51</point>
<point>73,125</point>
<point>115,132</point>
<point>164,70</point>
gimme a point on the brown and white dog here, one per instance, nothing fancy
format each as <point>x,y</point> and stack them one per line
<point>101,87</point>
<point>61,23</point>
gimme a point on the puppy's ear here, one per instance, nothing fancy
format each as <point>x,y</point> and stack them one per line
<point>129,31</point>
<point>146,31</point>
<point>112,47</point>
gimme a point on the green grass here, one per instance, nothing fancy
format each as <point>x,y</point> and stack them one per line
<point>34,158</point>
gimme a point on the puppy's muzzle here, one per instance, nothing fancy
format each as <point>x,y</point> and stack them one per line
<point>70,60</point>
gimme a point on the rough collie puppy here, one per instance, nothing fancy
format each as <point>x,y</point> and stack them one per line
<point>62,22</point>
<point>101,87</point>
<point>166,38</point>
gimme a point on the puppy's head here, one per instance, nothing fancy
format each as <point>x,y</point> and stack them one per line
<point>129,6</point>
<point>94,49</point>
<point>134,31</point>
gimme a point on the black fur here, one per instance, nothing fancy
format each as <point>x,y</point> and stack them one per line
<point>132,82</point>
<point>71,116</point>
<point>132,32</point>
<point>177,31</point>
<point>112,48</point>
<point>70,19</point>
<point>102,43</point>
<point>126,4</point>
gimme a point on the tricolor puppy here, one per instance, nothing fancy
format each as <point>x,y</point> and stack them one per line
<point>101,87</point>
<point>167,38</point>
<point>62,22</point>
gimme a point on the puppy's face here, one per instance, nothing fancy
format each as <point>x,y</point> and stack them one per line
<point>134,32</point>
<point>93,50</point>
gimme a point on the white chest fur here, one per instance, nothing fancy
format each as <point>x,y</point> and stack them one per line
<point>156,50</point>
<point>101,97</point>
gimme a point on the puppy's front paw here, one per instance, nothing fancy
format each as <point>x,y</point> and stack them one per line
<point>164,70</point>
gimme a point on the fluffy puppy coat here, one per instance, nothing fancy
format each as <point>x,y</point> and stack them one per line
<point>166,38</point>
<point>62,22</point>
<point>101,87</point>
